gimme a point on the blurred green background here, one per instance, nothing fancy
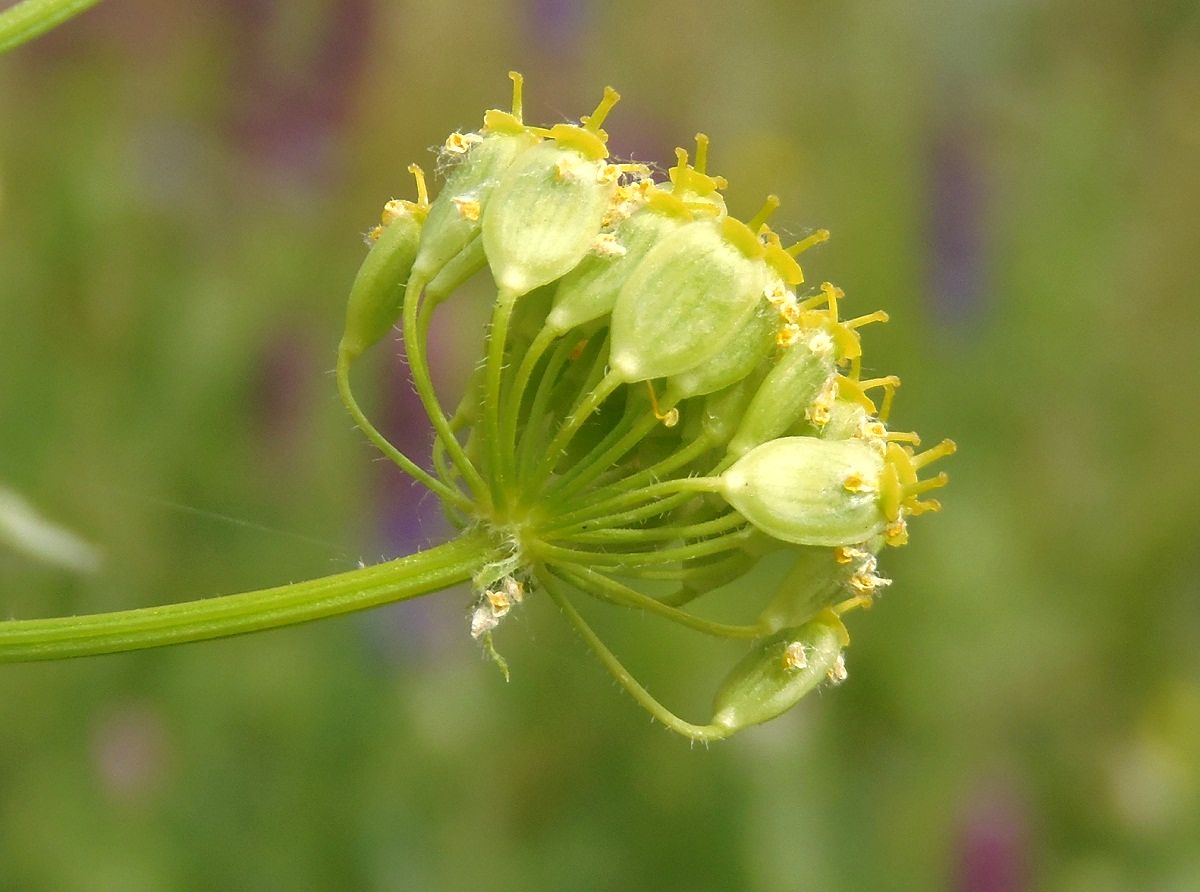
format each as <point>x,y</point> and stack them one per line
<point>183,190</point>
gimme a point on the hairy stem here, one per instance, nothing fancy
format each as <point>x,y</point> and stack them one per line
<point>408,577</point>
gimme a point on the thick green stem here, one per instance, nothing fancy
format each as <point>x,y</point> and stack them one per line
<point>27,20</point>
<point>409,577</point>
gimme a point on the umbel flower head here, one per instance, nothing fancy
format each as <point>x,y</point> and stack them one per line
<point>662,400</point>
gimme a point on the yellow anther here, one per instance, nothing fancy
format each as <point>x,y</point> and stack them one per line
<point>422,189</point>
<point>669,418</point>
<point>931,506</point>
<point>468,208</point>
<point>393,211</point>
<point>606,245</point>
<point>896,532</point>
<point>701,153</point>
<point>769,207</point>
<point>374,233</point>
<point>518,82</point>
<point>941,450</point>
<point>902,437</point>
<point>821,235</point>
<point>844,554</point>
<point>837,672</point>
<point>866,582</point>
<point>794,656</point>
<point>857,483</point>
<point>789,333</point>
<point>498,601</point>
<point>460,143</point>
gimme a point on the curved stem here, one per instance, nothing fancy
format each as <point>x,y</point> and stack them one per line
<point>408,577</point>
<point>610,662</point>
<point>607,589</point>
<point>406,464</point>
<point>32,18</point>
<point>415,335</point>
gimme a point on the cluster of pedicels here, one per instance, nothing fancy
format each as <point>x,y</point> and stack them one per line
<point>661,402</point>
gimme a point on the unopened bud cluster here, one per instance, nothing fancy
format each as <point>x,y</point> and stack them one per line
<point>662,400</point>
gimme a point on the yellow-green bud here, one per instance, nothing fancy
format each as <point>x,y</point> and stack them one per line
<point>800,373</point>
<point>686,299</point>
<point>456,216</point>
<point>590,290</point>
<point>748,347</point>
<point>544,216</point>
<point>779,671</point>
<point>809,491</point>
<point>375,298</point>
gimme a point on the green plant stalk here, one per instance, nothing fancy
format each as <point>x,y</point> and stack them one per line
<point>408,577</point>
<point>621,674</point>
<point>444,490</point>
<point>32,18</point>
<point>604,588</point>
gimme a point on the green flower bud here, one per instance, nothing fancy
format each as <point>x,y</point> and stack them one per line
<point>455,218</point>
<point>745,351</point>
<point>686,299</point>
<point>820,578</point>
<point>796,379</point>
<point>809,491</point>
<point>779,671</point>
<point>590,290</point>
<point>548,208</point>
<point>378,289</point>
<point>723,410</point>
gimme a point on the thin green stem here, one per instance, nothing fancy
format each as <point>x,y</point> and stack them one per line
<point>516,396</point>
<point>531,437</point>
<point>408,577</point>
<point>649,493</point>
<point>715,545</point>
<point>607,589</point>
<point>648,535</point>
<point>621,674</point>
<point>601,456</point>
<point>656,472</point>
<point>406,464</point>
<point>415,335</point>
<point>494,365</point>
<point>32,18</point>
<point>621,518</point>
<point>583,410</point>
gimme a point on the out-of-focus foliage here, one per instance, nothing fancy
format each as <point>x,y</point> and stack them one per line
<point>182,193</point>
